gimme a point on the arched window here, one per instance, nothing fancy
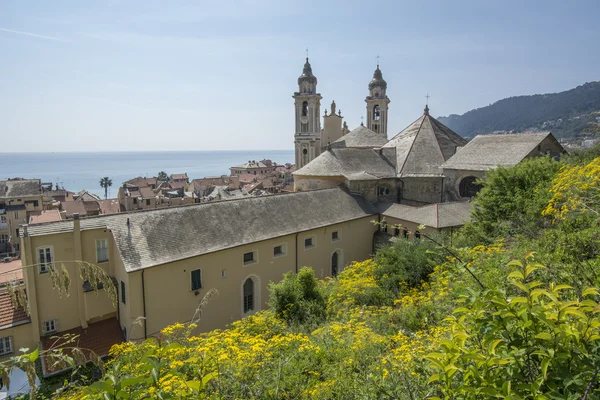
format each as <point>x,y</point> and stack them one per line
<point>305,109</point>
<point>417,235</point>
<point>376,113</point>
<point>248,295</point>
<point>334,264</point>
<point>405,233</point>
<point>468,187</point>
<point>384,227</point>
<point>396,231</point>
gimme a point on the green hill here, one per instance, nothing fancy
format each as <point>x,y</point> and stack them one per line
<point>570,113</point>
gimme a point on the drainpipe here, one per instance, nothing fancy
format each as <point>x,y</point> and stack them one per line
<point>78,281</point>
<point>144,304</point>
<point>297,233</point>
<point>375,233</point>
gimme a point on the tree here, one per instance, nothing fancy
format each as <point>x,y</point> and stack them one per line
<point>105,183</point>
<point>512,199</point>
<point>297,298</point>
<point>162,176</point>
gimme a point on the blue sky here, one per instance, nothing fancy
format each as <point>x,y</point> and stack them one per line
<point>210,75</point>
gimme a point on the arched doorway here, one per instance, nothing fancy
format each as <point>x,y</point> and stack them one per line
<point>336,263</point>
<point>468,186</point>
<point>248,296</point>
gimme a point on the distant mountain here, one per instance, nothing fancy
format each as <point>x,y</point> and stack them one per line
<point>572,113</point>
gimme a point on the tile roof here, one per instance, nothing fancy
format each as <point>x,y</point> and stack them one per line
<point>9,315</point>
<point>440,215</point>
<point>485,152</point>
<point>251,164</point>
<point>72,207</point>
<point>20,188</point>
<point>179,176</point>
<point>86,196</point>
<point>361,137</point>
<point>44,216</point>
<point>109,206</point>
<point>160,236</point>
<point>424,146</point>
<point>11,271</point>
<point>140,181</point>
<point>352,163</point>
<point>98,337</point>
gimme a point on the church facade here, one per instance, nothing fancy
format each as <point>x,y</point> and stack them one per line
<point>426,163</point>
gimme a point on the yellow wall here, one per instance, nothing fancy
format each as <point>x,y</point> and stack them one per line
<point>169,297</point>
<point>411,226</point>
<point>22,337</point>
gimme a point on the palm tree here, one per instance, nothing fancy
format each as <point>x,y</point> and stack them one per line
<point>105,183</point>
<point>162,176</point>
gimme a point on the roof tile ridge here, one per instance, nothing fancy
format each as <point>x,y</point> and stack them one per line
<point>400,133</point>
<point>412,144</point>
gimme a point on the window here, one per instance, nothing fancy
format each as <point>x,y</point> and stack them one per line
<point>384,190</point>
<point>277,251</point>
<point>223,274</point>
<point>309,242</point>
<point>49,326</point>
<point>304,151</point>
<point>248,295</point>
<point>196,279</point>
<point>384,227</point>
<point>468,187</point>
<point>335,235</point>
<point>147,202</point>
<point>5,345</point>
<point>3,238</point>
<point>376,113</point>
<point>101,250</point>
<point>45,259</point>
<point>396,231</point>
<point>417,235</point>
<point>334,264</point>
<point>405,233</point>
<point>16,214</point>
<point>250,257</point>
<point>123,298</point>
<point>135,200</point>
<point>305,109</point>
<point>35,203</point>
<point>3,219</point>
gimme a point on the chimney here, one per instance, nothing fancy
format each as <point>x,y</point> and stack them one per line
<point>76,222</point>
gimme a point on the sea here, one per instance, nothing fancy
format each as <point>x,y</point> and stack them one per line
<point>83,171</point>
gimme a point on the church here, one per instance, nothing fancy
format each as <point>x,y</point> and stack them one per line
<point>426,163</point>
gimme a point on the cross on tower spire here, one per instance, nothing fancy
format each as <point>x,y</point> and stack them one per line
<point>427,104</point>
<point>377,60</point>
<point>307,53</point>
<point>361,120</point>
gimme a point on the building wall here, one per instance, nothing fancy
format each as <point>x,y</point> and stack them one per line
<point>411,226</point>
<point>418,191</point>
<point>332,129</point>
<point>316,182</point>
<point>22,337</point>
<point>16,218</point>
<point>452,182</point>
<point>169,297</point>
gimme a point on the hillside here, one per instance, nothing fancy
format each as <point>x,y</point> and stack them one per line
<point>570,113</point>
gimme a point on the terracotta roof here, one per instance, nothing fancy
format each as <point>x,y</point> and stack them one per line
<point>9,315</point>
<point>44,216</point>
<point>109,206</point>
<point>11,271</point>
<point>98,338</point>
<point>179,176</point>
<point>247,178</point>
<point>20,188</point>
<point>86,196</point>
<point>72,207</point>
<point>177,185</point>
<point>147,193</point>
<point>141,182</point>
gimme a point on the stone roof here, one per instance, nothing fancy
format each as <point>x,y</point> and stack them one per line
<point>251,164</point>
<point>377,80</point>
<point>440,215</point>
<point>20,188</point>
<point>361,137</point>
<point>307,74</point>
<point>424,146</point>
<point>156,237</point>
<point>485,152</point>
<point>352,163</point>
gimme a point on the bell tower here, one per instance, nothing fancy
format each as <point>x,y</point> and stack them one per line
<point>377,104</point>
<point>307,102</point>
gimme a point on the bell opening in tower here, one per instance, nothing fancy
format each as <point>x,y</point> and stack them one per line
<point>376,113</point>
<point>305,109</point>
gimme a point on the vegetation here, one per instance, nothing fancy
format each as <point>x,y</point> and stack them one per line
<point>105,183</point>
<point>162,176</point>
<point>510,311</point>
<point>566,114</point>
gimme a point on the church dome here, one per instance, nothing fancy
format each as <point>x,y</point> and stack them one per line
<point>307,74</point>
<point>377,80</point>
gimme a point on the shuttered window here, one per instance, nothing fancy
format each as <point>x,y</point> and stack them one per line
<point>196,279</point>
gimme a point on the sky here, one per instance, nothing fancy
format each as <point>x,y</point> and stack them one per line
<point>219,75</point>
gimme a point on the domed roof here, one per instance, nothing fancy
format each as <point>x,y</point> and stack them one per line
<point>307,74</point>
<point>377,80</point>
